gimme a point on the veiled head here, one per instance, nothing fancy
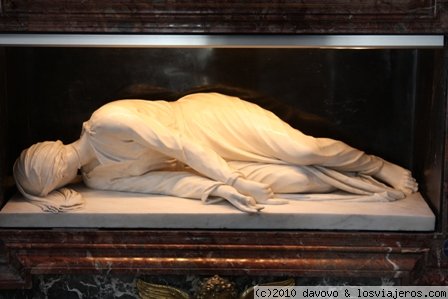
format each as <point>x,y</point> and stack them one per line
<point>43,167</point>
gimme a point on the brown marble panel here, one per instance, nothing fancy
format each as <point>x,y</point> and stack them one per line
<point>304,254</point>
<point>226,17</point>
<point>207,7</point>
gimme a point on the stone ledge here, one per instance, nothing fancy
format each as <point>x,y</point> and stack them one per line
<point>105,209</point>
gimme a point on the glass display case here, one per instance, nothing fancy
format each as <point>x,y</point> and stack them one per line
<point>386,97</point>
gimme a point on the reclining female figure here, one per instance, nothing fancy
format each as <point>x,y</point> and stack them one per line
<point>205,146</point>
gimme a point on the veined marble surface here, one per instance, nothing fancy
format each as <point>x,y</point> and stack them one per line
<point>111,286</point>
<point>132,210</point>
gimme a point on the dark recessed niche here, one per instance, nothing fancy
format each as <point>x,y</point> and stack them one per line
<point>387,102</point>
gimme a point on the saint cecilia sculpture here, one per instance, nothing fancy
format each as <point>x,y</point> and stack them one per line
<point>206,146</point>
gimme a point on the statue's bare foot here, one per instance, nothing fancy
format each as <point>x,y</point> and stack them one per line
<point>398,177</point>
<point>262,193</point>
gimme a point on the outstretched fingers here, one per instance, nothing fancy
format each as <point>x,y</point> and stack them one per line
<point>244,203</point>
<point>274,201</point>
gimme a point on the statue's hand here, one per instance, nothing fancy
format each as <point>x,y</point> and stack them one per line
<point>262,193</point>
<point>244,203</point>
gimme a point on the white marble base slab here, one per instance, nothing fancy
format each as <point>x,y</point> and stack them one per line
<point>105,209</point>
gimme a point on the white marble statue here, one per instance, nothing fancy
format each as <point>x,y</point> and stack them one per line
<point>205,146</point>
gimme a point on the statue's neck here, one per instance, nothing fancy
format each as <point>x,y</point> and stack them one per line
<point>85,151</point>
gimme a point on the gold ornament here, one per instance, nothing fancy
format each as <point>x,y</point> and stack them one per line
<point>210,288</point>
<point>148,290</point>
<point>216,288</point>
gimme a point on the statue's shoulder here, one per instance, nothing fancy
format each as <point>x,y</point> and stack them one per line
<point>208,97</point>
<point>130,108</point>
<point>123,106</point>
<point>112,110</point>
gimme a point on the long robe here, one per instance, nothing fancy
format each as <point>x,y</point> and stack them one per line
<point>189,147</point>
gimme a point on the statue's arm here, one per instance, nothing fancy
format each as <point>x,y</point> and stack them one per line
<point>180,184</point>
